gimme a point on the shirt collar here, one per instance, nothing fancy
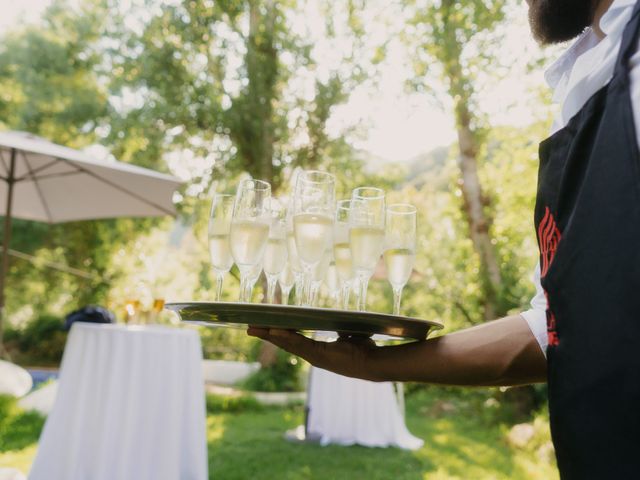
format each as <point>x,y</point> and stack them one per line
<point>609,23</point>
<point>564,63</point>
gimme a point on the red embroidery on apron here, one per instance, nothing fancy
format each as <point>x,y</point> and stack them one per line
<point>549,237</point>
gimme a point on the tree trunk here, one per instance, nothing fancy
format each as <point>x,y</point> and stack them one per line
<point>478,220</point>
<point>262,63</point>
<point>474,200</point>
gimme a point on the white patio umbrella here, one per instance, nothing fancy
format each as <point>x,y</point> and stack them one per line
<point>46,182</point>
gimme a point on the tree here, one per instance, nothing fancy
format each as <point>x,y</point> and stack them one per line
<point>52,84</point>
<point>225,76</point>
<point>220,77</point>
<point>456,38</point>
<point>49,88</point>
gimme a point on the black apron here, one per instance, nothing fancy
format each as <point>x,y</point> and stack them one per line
<point>587,219</point>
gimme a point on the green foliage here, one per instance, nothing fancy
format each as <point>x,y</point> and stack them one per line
<point>48,77</point>
<point>52,84</point>
<point>227,344</point>
<point>217,76</point>
<point>217,404</point>
<point>41,342</point>
<point>281,376</point>
<point>18,429</point>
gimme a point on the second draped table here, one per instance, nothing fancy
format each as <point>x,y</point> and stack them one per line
<point>350,411</point>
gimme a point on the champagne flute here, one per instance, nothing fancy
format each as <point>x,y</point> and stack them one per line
<point>286,280</point>
<point>250,228</point>
<point>366,236</point>
<point>219,228</point>
<point>275,254</point>
<point>342,251</point>
<point>332,282</point>
<point>294,259</point>
<point>400,248</point>
<point>319,273</point>
<point>252,279</point>
<point>314,204</point>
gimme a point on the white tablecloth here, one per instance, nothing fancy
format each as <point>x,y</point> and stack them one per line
<point>348,411</point>
<point>130,406</point>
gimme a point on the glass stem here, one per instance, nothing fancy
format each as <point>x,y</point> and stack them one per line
<point>299,276</point>
<point>244,284</point>
<point>397,297</point>
<point>308,287</point>
<point>248,294</point>
<point>314,288</point>
<point>271,288</point>
<point>346,293</point>
<point>363,284</point>
<point>219,280</point>
<point>285,295</point>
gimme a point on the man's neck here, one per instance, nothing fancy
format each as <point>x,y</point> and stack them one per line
<point>601,9</point>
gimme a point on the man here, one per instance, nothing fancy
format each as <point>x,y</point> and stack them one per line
<point>583,333</point>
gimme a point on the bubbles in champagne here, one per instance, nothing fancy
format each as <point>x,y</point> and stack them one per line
<point>399,263</point>
<point>286,278</point>
<point>320,270</point>
<point>313,232</point>
<point>366,247</point>
<point>292,252</point>
<point>248,241</point>
<point>331,279</point>
<point>220,251</point>
<point>344,265</point>
<point>275,256</point>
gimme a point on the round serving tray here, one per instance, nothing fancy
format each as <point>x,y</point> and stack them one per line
<point>302,319</point>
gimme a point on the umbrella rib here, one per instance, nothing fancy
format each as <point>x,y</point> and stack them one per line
<point>4,164</point>
<point>32,173</point>
<point>55,175</point>
<point>118,187</point>
<point>38,189</point>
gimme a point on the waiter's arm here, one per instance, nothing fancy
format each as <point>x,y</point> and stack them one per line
<point>502,352</point>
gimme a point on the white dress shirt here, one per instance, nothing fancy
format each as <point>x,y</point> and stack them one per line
<point>581,71</point>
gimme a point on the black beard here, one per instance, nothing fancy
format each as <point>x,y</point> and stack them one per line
<point>556,21</point>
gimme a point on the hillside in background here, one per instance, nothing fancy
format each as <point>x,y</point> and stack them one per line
<point>424,168</point>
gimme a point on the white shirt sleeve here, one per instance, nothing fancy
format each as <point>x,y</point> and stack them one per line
<point>536,316</point>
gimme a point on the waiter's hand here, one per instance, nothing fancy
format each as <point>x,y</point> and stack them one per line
<point>502,352</point>
<point>349,355</point>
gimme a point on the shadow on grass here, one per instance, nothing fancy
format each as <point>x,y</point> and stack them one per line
<point>458,445</point>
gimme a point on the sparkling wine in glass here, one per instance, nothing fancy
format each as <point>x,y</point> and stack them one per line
<point>399,248</point>
<point>275,254</point>
<point>314,204</point>
<point>332,282</point>
<point>342,252</point>
<point>286,280</point>
<point>219,229</point>
<point>294,259</point>
<point>366,236</point>
<point>250,229</point>
<point>318,275</point>
<point>252,279</point>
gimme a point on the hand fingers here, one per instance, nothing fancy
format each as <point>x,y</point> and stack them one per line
<point>257,332</point>
<point>288,340</point>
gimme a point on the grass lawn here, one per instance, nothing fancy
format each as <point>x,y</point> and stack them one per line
<point>465,438</point>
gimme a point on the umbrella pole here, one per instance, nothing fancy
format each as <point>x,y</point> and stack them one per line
<point>5,247</point>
